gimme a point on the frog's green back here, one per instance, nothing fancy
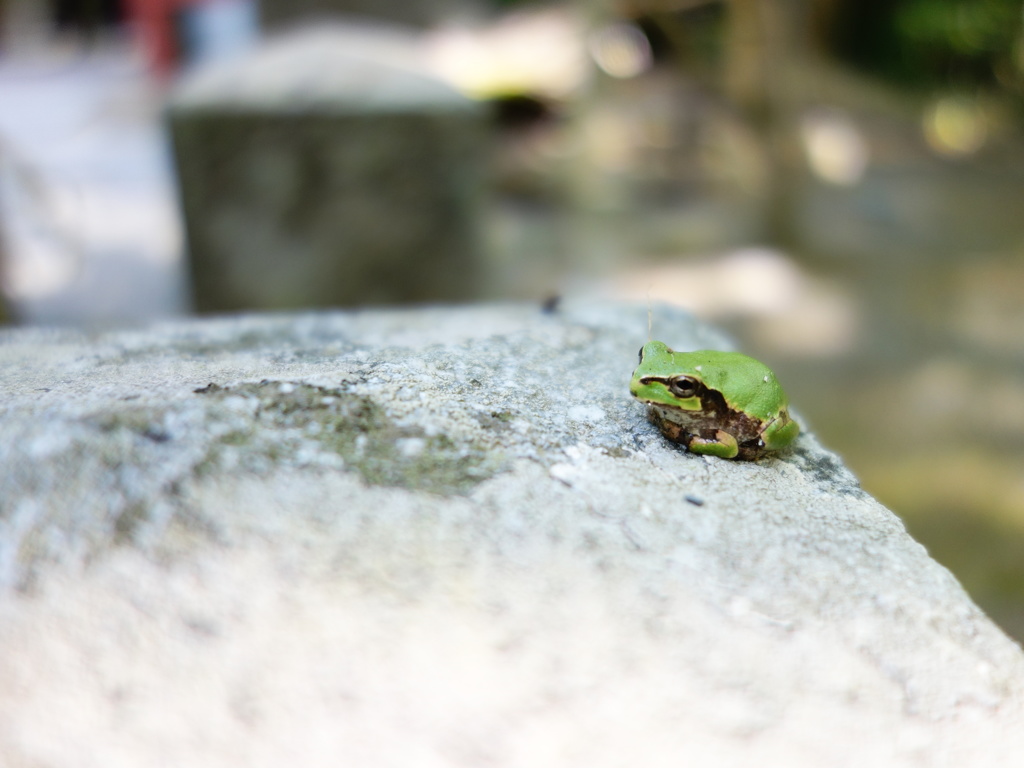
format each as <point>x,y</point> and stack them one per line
<point>746,383</point>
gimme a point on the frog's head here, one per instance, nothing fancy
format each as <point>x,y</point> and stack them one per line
<point>708,380</point>
<point>663,378</point>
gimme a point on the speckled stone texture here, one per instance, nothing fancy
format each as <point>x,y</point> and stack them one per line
<point>449,537</point>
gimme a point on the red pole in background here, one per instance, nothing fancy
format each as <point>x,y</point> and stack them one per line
<point>154,23</point>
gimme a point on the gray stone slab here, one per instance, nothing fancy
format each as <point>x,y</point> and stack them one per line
<point>450,537</point>
<point>328,168</point>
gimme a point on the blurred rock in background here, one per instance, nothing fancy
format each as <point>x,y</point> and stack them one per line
<point>327,168</point>
<point>278,13</point>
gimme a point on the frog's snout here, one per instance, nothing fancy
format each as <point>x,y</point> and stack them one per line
<point>636,385</point>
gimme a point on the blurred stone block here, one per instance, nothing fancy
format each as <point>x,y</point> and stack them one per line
<point>277,13</point>
<point>328,168</point>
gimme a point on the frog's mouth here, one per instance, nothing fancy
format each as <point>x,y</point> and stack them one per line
<point>708,403</point>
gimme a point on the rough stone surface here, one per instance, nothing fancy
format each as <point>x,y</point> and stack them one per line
<point>327,169</point>
<point>450,537</point>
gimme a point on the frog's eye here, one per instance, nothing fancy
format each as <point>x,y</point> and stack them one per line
<point>683,386</point>
<point>640,356</point>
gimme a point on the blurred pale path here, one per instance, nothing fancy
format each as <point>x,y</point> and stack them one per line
<point>87,208</point>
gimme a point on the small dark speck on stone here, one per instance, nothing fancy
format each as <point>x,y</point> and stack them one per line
<point>157,435</point>
<point>550,304</point>
<point>697,501</point>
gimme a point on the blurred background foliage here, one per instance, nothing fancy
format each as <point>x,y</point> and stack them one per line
<point>840,183</point>
<point>932,43</point>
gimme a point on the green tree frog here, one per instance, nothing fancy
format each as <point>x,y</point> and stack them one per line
<point>715,403</point>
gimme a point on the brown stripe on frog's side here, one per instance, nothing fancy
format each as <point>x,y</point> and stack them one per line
<point>680,425</point>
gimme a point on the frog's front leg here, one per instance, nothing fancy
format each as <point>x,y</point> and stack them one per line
<point>780,432</point>
<point>722,444</point>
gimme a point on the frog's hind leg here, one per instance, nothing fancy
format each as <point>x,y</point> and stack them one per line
<point>722,444</point>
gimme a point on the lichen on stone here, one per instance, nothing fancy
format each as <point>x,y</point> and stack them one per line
<point>290,417</point>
